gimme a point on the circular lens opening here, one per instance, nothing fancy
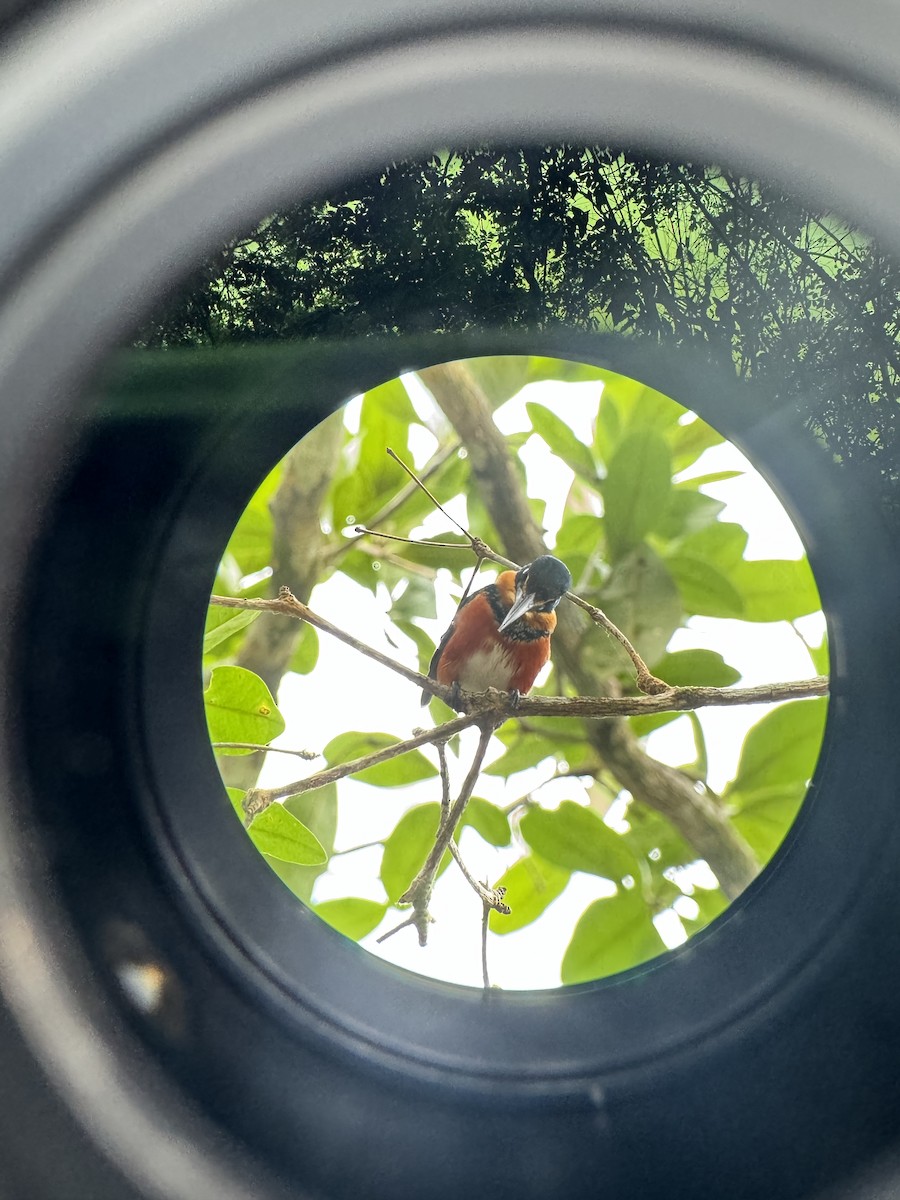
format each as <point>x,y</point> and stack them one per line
<point>622,801</point>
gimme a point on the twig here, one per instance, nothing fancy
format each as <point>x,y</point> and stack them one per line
<point>492,897</point>
<point>418,894</point>
<point>646,680</point>
<point>260,798</point>
<point>416,480</point>
<point>309,755</point>
<point>408,541</point>
<point>486,979</point>
<point>494,706</point>
<point>396,502</point>
<point>288,604</point>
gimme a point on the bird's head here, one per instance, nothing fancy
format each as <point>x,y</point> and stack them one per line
<point>540,585</point>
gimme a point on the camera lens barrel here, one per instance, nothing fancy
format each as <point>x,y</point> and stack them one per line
<point>173,1027</point>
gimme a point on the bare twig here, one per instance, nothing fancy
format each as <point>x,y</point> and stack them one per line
<point>408,541</point>
<point>646,680</point>
<point>288,604</point>
<point>309,755</point>
<point>418,894</point>
<point>397,501</point>
<point>492,897</point>
<point>485,917</point>
<point>418,482</point>
<point>261,798</point>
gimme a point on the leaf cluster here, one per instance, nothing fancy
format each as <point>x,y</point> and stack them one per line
<point>590,238</point>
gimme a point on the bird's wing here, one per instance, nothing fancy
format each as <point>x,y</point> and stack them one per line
<point>449,632</point>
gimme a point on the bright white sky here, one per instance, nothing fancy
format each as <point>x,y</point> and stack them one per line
<point>530,958</point>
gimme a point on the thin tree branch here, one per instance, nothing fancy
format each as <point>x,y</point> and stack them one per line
<point>485,916</point>
<point>492,897</point>
<point>260,798</point>
<point>290,606</point>
<point>673,699</point>
<point>309,755</point>
<point>418,894</point>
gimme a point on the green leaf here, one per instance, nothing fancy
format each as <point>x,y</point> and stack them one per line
<point>654,840</point>
<point>579,536</point>
<point>251,541</point>
<point>779,589</point>
<point>384,420</point>
<point>488,821</point>
<point>396,772</point>
<point>639,404</point>
<point>636,489</point>
<point>353,916</point>
<point>527,750</point>
<point>608,428</point>
<point>721,544</point>
<point>782,748</point>
<point>699,768</point>
<point>574,837</point>
<point>697,481</point>
<point>705,591</point>
<point>240,708</point>
<point>531,886</point>
<point>641,598</point>
<point>428,555</point>
<point>611,935</point>
<point>561,441</point>
<point>221,623</point>
<point>764,817</point>
<point>236,796</point>
<point>686,512</point>
<point>695,668</point>
<point>318,810</point>
<point>642,726</point>
<point>306,652</point>
<point>418,598</point>
<point>278,834</point>
<point>688,442</point>
<point>407,848</point>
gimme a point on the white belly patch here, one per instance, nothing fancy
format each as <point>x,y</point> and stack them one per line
<point>488,668</point>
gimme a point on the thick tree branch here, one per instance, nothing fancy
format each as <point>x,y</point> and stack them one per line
<point>668,699</point>
<point>298,552</point>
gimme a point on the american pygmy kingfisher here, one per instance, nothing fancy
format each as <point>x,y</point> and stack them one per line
<point>500,636</point>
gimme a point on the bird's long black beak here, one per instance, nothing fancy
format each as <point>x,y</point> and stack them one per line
<point>523,603</point>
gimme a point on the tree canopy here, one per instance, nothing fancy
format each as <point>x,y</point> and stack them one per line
<point>581,238</point>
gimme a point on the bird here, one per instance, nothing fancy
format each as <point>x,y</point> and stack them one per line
<point>500,635</point>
